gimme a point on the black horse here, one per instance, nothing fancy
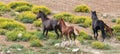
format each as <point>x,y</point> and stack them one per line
<point>97,25</point>
<point>49,24</point>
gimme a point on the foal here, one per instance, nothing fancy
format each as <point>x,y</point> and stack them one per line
<point>67,30</point>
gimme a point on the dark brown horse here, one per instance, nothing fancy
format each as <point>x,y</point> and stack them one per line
<point>49,24</point>
<point>67,30</point>
<point>97,25</point>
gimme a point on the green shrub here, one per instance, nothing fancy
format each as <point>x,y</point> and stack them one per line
<point>26,17</point>
<point>16,4</point>
<point>116,28</point>
<point>36,43</point>
<point>10,24</point>
<point>83,20</point>
<point>3,31</point>
<point>118,21</point>
<point>52,35</point>
<point>3,8</point>
<point>84,35</point>
<point>45,9</point>
<point>87,22</point>
<point>53,41</point>
<point>37,23</point>
<point>12,35</point>
<point>23,8</point>
<point>15,46</point>
<point>100,45</point>
<point>113,20</point>
<point>82,8</point>
<point>26,36</point>
<point>66,16</point>
<point>118,38</point>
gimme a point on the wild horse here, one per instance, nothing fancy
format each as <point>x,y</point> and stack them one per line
<point>49,24</point>
<point>68,30</point>
<point>99,25</point>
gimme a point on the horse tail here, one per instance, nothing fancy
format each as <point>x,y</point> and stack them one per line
<point>76,31</point>
<point>102,26</point>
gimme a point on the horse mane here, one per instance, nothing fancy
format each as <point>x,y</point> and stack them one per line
<point>94,15</point>
<point>44,15</point>
<point>62,21</point>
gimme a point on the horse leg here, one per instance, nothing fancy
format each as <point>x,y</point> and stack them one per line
<point>46,33</point>
<point>57,33</point>
<point>43,31</point>
<point>70,36</point>
<point>103,32</point>
<point>74,36</point>
<point>60,32</point>
<point>94,33</point>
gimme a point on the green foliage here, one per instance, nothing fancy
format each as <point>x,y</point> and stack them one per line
<point>37,23</point>
<point>116,28</point>
<point>26,17</point>
<point>16,4</point>
<point>66,16</point>
<point>12,35</point>
<point>23,8</point>
<point>3,31</point>
<point>82,8</point>
<point>52,35</point>
<point>26,36</point>
<point>45,9</point>
<point>83,20</point>
<point>3,8</point>
<point>15,46</point>
<point>10,24</point>
<point>118,38</point>
<point>36,43</point>
<point>53,41</point>
<point>113,20</point>
<point>118,21</point>
<point>84,35</point>
<point>100,45</point>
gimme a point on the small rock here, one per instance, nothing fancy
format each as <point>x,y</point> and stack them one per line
<point>20,35</point>
<point>8,52</point>
<point>75,50</point>
<point>19,49</point>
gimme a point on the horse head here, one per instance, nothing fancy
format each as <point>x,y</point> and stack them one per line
<point>41,15</point>
<point>94,15</point>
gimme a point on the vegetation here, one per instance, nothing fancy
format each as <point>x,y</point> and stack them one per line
<point>100,45</point>
<point>10,24</point>
<point>37,23</point>
<point>82,8</point>
<point>36,43</point>
<point>65,15</point>
<point>16,4</point>
<point>116,28</point>
<point>3,8</point>
<point>23,8</point>
<point>118,21</point>
<point>45,9</point>
<point>26,17</point>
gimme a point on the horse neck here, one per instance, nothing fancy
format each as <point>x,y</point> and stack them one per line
<point>63,24</point>
<point>44,18</point>
<point>94,17</point>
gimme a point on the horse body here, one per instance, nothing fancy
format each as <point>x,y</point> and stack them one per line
<point>67,30</point>
<point>97,25</point>
<point>49,24</point>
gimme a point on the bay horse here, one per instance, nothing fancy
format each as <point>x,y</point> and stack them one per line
<point>97,25</point>
<point>68,30</point>
<point>49,24</point>
<point>108,29</point>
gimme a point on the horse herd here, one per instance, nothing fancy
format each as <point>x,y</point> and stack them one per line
<point>59,25</point>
